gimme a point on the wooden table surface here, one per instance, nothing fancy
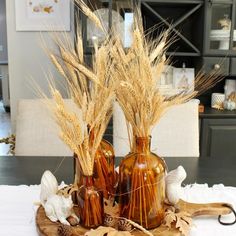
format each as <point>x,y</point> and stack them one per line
<point>28,170</point>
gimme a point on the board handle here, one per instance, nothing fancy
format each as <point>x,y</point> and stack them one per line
<point>228,223</point>
<point>211,209</point>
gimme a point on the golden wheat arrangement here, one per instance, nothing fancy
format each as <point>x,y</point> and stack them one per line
<point>83,132</point>
<point>92,91</point>
<point>133,74</point>
<point>138,69</point>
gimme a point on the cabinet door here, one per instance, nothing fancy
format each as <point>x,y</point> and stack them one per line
<point>218,138</point>
<point>233,67</point>
<point>216,63</point>
<point>218,32</point>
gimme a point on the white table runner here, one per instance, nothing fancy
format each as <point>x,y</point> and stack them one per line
<point>17,209</point>
<point>209,226</point>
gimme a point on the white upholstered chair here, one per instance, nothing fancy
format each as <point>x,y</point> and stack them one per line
<point>37,134</point>
<point>177,133</point>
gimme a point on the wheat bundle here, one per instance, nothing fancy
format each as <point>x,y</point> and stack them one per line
<point>138,70</point>
<point>133,73</point>
<point>91,90</point>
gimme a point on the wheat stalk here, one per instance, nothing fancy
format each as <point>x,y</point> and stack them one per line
<point>138,70</point>
<point>87,11</point>
<point>92,91</point>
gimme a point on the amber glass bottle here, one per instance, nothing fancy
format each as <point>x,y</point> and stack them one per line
<point>104,169</point>
<point>105,177</point>
<point>90,203</point>
<point>142,185</point>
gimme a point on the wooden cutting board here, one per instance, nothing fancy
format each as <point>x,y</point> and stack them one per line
<point>48,228</point>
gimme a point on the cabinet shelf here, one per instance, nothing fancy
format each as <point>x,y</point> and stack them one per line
<point>217,114</point>
<point>174,1</point>
<point>184,54</point>
<point>183,21</point>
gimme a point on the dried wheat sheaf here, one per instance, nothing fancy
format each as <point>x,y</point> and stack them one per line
<point>92,91</point>
<point>132,73</point>
<point>138,69</point>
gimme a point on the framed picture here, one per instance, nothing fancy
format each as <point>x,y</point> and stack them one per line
<point>42,15</point>
<point>183,79</point>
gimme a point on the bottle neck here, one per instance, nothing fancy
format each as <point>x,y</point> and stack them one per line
<point>88,181</point>
<point>142,144</point>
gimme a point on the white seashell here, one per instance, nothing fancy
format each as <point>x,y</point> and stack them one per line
<point>173,184</point>
<point>49,186</point>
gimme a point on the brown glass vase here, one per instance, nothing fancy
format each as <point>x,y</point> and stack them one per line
<point>104,169</point>
<point>142,185</point>
<point>105,177</point>
<point>90,204</point>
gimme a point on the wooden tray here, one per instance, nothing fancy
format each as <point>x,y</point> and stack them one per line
<point>48,228</point>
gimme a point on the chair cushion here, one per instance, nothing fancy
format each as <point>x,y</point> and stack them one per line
<point>176,134</point>
<point>37,133</point>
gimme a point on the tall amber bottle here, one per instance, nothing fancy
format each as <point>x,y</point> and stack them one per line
<point>104,169</point>
<point>104,177</point>
<point>142,185</point>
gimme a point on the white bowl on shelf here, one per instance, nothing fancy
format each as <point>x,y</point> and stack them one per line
<point>218,35</point>
<point>223,36</point>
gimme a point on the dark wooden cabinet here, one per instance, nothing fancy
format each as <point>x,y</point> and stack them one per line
<point>185,19</point>
<point>220,34</point>
<point>195,28</point>
<point>233,66</point>
<point>216,63</point>
<point>218,134</point>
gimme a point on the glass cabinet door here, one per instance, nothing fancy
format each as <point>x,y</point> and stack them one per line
<point>113,14</point>
<point>220,27</point>
<point>122,20</point>
<point>234,33</point>
<point>93,33</point>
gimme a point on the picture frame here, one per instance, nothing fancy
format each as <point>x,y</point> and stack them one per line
<point>42,15</point>
<point>183,79</point>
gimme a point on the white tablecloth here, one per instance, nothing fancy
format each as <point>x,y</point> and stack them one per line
<point>17,209</point>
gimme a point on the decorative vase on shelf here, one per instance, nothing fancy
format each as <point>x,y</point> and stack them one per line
<point>142,185</point>
<point>90,204</point>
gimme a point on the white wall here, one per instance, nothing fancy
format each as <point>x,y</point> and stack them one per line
<point>26,59</point>
<point>3,32</point>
